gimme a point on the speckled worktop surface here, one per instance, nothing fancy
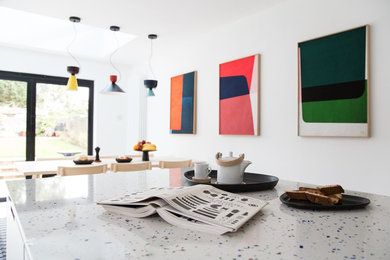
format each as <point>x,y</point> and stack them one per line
<point>61,220</point>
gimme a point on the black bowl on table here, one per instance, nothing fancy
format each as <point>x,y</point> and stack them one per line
<point>124,160</point>
<point>83,161</point>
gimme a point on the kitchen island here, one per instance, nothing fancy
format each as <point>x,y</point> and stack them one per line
<point>59,219</point>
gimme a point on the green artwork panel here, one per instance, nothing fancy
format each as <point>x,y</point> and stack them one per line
<point>334,59</point>
<point>336,111</point>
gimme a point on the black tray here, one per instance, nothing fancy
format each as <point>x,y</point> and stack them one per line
<point>252,182</point>
<point>83,162</point>
<point>123,160</point>
<point>348,202</point>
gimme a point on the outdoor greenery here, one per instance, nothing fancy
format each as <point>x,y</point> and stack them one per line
<point>13,93</point>
<point>64,106</point>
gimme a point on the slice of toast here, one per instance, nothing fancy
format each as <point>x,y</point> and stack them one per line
<point>296,195</point>
<point>331,189</point>
<point>319,199</point>
<point>313,190</point>
<point>336,198</point>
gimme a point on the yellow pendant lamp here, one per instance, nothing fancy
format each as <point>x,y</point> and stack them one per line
<point>72,82</point>
<point>73,70</point>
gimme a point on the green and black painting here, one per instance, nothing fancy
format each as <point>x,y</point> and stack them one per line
<point>334,84</point>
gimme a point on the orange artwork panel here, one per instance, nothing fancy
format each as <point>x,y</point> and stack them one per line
<point>176,102</point>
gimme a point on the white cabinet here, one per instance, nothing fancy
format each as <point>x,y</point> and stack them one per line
<point>15,243</point>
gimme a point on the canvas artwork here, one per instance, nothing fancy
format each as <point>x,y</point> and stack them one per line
<point>239,95</point>
<point>334,85</point>
<point>183,104</point>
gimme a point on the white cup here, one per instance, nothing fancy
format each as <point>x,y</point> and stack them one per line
<point>202,171</point>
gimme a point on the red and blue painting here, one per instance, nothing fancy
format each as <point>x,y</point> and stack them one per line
<point>183,104</point>
<point>239,92</point>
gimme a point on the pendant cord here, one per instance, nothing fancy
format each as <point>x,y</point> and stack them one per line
<point>150,58</point>
<point>112,54</point>
<point>71,43</point>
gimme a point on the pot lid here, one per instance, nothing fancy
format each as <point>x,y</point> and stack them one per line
<point>229,160</point>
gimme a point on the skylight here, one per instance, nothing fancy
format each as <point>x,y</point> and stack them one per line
<point>27,30</point>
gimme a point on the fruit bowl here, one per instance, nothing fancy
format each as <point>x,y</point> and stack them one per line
<point>124,159</point>
<point>83,161</point>
<point>144,146</point>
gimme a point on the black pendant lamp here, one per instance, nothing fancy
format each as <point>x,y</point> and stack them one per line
<point>113,88</point>
<point>73,70</point>
<point>151,83</point>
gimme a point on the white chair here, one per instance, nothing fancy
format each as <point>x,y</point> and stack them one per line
<point>174,164</point>
<point>84,169</point>
<point>128,167</point>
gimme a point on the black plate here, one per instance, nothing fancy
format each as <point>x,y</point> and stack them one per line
<point>349,202</point>
<point>83,162</point>
<point>123,160</point>
<point>252,182</point>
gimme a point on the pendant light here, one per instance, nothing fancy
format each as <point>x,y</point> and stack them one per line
<point>113,88</point>
<point>151,83</point>
<point>73,70</point>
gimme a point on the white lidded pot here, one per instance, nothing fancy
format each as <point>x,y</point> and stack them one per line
<point>230,169</point>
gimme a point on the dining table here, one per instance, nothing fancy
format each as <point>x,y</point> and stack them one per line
<point>59,218</point>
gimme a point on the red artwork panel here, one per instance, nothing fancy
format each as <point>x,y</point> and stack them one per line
<point>236,116</point>
<point>239,96</point>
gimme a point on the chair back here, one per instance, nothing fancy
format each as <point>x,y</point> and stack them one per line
<point>138,155</point>
<point>175,164</point>
<point>82,169</point>
<point>128,167</point>
<point>108,156</point>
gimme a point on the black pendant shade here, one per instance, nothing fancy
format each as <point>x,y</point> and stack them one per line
<point>73,70</point>
<point>150,84</point>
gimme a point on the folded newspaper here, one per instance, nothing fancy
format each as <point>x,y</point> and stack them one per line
<point>201,207</point>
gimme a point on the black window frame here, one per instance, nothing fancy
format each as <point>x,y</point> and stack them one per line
<point>32,80</point>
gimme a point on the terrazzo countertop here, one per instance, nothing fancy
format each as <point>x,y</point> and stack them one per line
<point>61,220</point>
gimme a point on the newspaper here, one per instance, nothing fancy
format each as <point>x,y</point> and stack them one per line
<point>199,203</point>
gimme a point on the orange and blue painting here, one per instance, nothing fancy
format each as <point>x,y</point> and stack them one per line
<point>239,87</point>
<point>183,104</point>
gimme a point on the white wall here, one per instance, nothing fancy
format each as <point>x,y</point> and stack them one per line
<point>356,163</point>
<point>114,131</point>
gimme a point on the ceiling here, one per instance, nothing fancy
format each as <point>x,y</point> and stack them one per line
<point>172,20</point>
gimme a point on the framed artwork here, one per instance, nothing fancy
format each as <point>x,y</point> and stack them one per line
<point>239,96</point>
<point>333,85</point>
<point>183,104</point>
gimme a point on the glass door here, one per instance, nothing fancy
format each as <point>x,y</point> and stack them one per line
<point>40,119</point>
<point>13,110</point>
<point>13,103</point>
<point>61,124</point>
